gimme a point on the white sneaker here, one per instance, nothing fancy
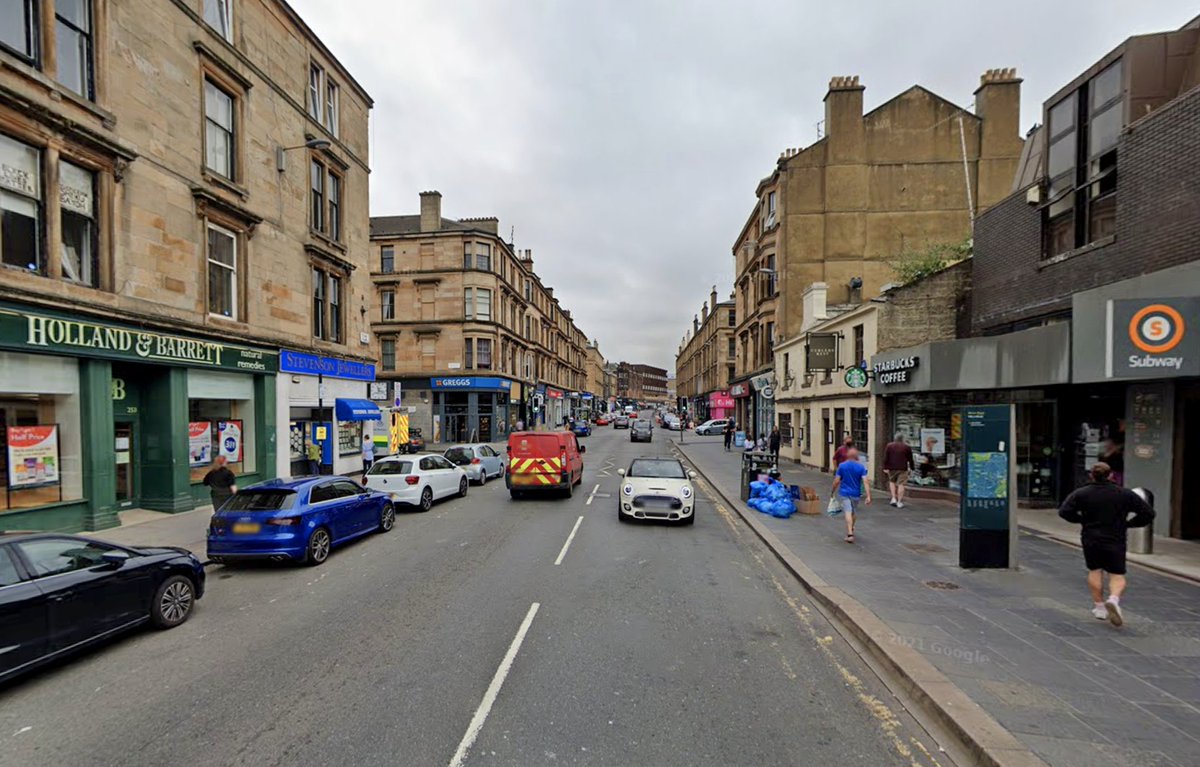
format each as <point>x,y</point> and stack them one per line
<point>899,504</point>
<point>892,502</point>
<point>1114,612</point>
<point>1099,612</point>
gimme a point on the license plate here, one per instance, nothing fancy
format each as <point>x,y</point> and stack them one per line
<point>246,528</point>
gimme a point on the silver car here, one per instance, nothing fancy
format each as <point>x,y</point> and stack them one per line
<point>479,461</point>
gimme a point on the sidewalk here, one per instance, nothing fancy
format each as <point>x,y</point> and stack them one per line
<point>1022,645</point>
<point>150,528</point>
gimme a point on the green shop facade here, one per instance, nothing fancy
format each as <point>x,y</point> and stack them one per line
<point>100,417</point>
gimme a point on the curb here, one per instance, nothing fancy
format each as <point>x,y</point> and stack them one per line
<point>986,741</point>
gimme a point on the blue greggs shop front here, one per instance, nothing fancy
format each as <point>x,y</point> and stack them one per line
<point>471,409</point>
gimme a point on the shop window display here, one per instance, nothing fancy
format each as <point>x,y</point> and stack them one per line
<point>39,432</point>
<point>349,437</point>
<point>220,427</point>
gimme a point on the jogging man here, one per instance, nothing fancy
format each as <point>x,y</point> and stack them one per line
<point>1104,510</point>
<point>897,462</point>
<point>849,487</point>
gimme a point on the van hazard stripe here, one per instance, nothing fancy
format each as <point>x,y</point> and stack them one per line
<point>557,462</point>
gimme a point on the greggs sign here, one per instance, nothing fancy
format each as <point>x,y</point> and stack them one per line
<point>1153,338</point>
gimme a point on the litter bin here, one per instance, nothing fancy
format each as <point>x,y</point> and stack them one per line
<point>1140,540</point>
<point>754,464</point>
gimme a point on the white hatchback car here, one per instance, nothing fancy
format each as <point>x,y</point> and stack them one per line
<point>657,488</point>
<point>417,480</point>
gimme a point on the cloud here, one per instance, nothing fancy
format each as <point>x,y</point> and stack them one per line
<point>623,140</point>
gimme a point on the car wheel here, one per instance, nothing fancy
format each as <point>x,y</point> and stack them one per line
<point>462,487</point>
<point>173,602</point>
<point>570,491</point>
<point>387,518</point>
<point>319,544</point>
<point>426,499</point>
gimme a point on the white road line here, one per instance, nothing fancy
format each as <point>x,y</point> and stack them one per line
<point>588,502</point>
<point>570,538</point>
<point>493,690</point>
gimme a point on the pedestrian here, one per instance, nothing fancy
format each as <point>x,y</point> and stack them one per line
<point>520,424</point>
<point>1104,509</point>
<point>839,455</point>
<point>761,444</point>
<point>728,435</point>
<point>849,488</point>
<point>313,454</point>
<point>897,462</point>
<point>221,482</point>
<point>368,452</point>
<point>774,443</point>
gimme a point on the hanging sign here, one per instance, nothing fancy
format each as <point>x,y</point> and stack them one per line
<point>229,439</point>
<point>32,456</point>
<point>821,351</point>
<point>200,443</point>
<point>856,378</point>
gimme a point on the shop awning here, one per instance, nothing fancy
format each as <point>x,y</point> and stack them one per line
<point>357,410</point>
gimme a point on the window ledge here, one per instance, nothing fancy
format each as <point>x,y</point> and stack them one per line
<point>1091,246</point>
<point>220,181</point>
<point>220,320</point>
<point>326,241</point>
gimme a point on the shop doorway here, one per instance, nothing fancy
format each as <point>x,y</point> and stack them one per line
<point>1188,506</point>
<point>826,441</point>
<point>124,452</point>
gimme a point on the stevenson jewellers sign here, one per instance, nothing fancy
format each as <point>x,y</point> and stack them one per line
<point>46,333</point>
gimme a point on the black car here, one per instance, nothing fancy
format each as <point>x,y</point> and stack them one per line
<point>416,443</point>
<point>621,422</point>
<point>60,593</point>
<point>642,431</point>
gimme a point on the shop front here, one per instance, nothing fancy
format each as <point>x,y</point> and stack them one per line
<point>99,417</point>
<point>743,398</point>
<point>555,409</point>
<point>471,409</point>
<point>921,391</point>
<point>324,401</point>
<point>720,404</point>
<point>1146,359</point>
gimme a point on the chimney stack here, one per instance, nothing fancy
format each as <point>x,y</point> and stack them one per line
<point>704,311</point>
<point>998,105</point>
<point>489,224</point>
<point>695,323</point>
<point>431,211</point>
<point>844,132</point>
<point>814,305</point>
<point>713,298</point>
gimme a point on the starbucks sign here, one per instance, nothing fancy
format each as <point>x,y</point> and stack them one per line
<point>856,378</point>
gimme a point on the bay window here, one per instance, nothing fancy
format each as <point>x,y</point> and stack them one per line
<point>20,205</point>
<point>77,198</point>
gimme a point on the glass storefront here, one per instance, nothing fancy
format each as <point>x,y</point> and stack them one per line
<point>220,422</point>
<point>39,431</point>
<point>470,416</point>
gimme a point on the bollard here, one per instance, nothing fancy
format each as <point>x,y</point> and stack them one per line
<point>1140,540</point>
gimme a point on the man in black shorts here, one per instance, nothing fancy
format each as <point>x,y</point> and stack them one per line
<point>1104,510</point>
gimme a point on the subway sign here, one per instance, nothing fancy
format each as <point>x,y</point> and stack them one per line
<point>1153,338</point>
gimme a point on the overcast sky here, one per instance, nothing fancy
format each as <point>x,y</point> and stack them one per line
<point>623,140</point>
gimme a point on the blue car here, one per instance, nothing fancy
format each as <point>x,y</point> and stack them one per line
<point>581,428</point>
<point>298,519</point>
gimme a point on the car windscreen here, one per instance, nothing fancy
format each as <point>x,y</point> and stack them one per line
<point>657,469</point>
<point>260,500</point>
<point>642,424</point>
<point>459,455</point>
<point>390,468</point>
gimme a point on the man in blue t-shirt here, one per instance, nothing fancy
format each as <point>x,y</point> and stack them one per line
<point>849,486</point>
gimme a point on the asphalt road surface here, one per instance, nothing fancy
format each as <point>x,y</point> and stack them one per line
<point>485,632</point>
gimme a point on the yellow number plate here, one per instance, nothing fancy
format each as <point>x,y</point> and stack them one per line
<point>245,528</point>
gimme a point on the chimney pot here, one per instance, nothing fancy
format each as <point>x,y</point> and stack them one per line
<point>431,211</point>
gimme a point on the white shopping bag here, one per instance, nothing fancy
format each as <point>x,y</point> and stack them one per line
<point>835,506</point>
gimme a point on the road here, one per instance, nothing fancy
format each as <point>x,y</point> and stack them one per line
<point>475,634</point>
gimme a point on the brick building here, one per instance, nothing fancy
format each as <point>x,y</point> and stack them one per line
<point>1086,289</point>
<point>184,188</point>
<point>469,337</point>
<point>641,383</point>
<point>706,360</point>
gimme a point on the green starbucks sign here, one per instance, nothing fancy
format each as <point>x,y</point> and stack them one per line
<point>856,378</point>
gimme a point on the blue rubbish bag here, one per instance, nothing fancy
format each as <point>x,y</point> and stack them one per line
<point>781,508</point>
<point>757,488</point>
<point>755,503</point>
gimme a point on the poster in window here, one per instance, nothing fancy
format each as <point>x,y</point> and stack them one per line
<point>229,438</point>
<point>32,456</point>
<point>200,443</point>
<point>933,441</point>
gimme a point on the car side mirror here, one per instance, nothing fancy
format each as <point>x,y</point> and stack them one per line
<point>113,560</point>
<point>691,475</point>
<point>620,472</point>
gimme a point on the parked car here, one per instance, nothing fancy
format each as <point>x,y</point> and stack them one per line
<point>671,423</point>
<point>712,426</point>
<point>543,461</point>
<point>296,519</point>
<point>61,593</point>
<point>621,422</point>
<point>480,462</point>
<point>642,431</point>
<point>415,444</point>
<point>417,480</point>
<point>602,420</point>
<point>657,488</point>
<point>581,429</point>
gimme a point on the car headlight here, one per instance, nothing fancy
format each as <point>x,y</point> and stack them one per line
<point>627,490</point>
<point>685,492</point>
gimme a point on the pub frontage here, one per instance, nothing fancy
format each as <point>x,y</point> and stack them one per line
<point>98,417</point>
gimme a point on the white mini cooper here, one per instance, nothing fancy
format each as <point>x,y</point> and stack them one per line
<point>657,488</point>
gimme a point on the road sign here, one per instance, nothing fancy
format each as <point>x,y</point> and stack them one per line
<point>856,378</point>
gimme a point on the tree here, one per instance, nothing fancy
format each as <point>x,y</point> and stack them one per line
<point>915,265</point>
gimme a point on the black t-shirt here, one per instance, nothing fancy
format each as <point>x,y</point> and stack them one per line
<point>220,479</point>
<point>1103,509</point>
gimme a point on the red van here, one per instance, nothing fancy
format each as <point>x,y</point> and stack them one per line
<point>539,461</point>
